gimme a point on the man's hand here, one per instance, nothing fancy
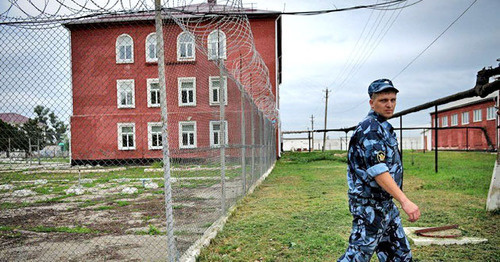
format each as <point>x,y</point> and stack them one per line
<point>411,210</point>
<point>387,183</point>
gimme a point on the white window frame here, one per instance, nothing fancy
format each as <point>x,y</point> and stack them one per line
<point>444,121</point>
<point>148,43</point>
<point>150,136</point>
<point>118,44</point>
<point>149,82</point>
<point>212,39</point>
<point>181,80</point>
<point>490,113</point>
<point>120,133</point>
<point>212,142</point>
<point>211,88</point>
<point>465,118</point>
<point>189,45</point>
<point>181,124</point>
<point>454,120</point>
<point>477,115</point>
<point>119,82</point>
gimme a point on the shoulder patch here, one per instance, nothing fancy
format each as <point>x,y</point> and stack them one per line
<point>380,156</point>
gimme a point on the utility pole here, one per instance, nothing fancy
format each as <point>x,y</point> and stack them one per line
<point>326,112</point>
<point>312,131</point>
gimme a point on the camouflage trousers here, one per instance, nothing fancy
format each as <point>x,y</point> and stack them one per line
<point>376,227</point>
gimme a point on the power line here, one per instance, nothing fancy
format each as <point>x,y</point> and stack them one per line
<point>372,43</point>
<point>439,36</point>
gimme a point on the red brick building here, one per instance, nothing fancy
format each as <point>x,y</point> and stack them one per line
<point>466,115</point>
<point>116,107</point>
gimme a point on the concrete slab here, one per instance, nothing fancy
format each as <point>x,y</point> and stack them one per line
<point>426,241</point>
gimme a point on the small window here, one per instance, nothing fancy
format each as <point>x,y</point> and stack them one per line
<point>216,45</point>
<point>438,123</point>
<point>187,134</point>
<point>214,86</point>
<point>185,47</point>
<point>444,121</point>
<point>154,136</point>
<point>216,134</point>
<point>477,115</point>
<point>126,136</point>
<point>125,93</point>
<point>124,49</point>
<point>151,51</point>
<point>187,91</point>
<point>465,118</point>
<point>454,119</point>
<point>491,112</point>
<point>153,92</point>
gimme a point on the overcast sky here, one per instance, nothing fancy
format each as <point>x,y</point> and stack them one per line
<point>346,51</point>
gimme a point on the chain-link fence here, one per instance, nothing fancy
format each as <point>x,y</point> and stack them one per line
<point>104,157</point>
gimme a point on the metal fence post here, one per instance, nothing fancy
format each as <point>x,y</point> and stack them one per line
<point>261,143</point>
<point>401,136</point>
<point>243,142</point>
<point>171,249</point>
<point>436,139</point>
<point>222,112</point>
<point>466,139</point>
<point>252,129</point>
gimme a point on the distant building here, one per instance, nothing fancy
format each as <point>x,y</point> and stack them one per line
<point>13,119</point>
<point>341,143</point>
<point>468,114</point>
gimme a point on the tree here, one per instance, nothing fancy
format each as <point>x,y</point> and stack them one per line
<point>52,129</point>
<point>11,138</point>
<point>35,134</point>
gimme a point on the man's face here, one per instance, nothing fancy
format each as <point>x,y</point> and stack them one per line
<point>384,104</point>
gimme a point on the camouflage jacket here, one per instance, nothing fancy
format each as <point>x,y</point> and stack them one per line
<point>373,150</point>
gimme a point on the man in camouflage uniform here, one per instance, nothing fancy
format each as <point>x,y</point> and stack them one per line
<point>375,177</point>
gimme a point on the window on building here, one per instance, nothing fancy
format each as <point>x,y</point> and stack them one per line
<point>433,122</point>
<point>454,119</point>
<point>216,134</point>
<point>491,112</point>
<point>187,91</point>
<point>444,121</point>
<point>185,47</point>
<point>153,92</point>
<point>126,136</point>
<point>214,86</point>
<point>477,114</point>
<point>465,118</point>
<point>216,45</point>
<point>187,134</point>
<point>154,136</point>
<point>124,49</point>
<point>151,55</point>
<point>125,93</point>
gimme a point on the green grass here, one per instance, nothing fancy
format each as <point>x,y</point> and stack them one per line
<point>300,212</point>
<point>76,230</point>
<point>122,203</point>
<point>152,231</point>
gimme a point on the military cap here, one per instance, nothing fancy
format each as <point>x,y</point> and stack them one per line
<point>380,85</point>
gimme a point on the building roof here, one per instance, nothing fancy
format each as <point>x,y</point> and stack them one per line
<point>467,102</point>
<point>13,118</point>
<point>189,11</point>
